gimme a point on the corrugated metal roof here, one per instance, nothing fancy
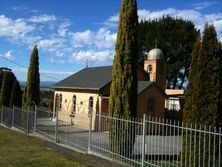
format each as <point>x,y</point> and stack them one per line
<point>93,78</point>
<point>87,78</point>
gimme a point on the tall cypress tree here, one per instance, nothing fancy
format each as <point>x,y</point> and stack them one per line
<point>2,72</point>
<point>204,92</point>
<point>204,105</point>
<point>123,91</point>
<point>31,92</point>
<point>16,95</point>
<point>189,111</point>
<point>7,85</point>
<point>1,79</point>
<point>207,86</point>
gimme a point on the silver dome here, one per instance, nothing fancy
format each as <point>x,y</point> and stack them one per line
<point>155,54</point>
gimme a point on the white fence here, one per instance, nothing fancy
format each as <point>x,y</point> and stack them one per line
<point>137,141</point>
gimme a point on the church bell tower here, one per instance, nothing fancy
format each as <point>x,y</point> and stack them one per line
<point>156,67</point>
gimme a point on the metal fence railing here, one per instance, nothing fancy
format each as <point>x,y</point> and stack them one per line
<point>143,141</point>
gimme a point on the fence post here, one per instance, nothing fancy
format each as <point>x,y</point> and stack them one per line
<point>27,121</point>
<point>2,113</point>
<point>90,132</point>
<point>35,118</point>
<point>143,139</point>
<point>13,115</point>
<point>56,126</point>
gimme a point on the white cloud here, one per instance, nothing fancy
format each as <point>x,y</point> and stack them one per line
<point>21,7</point>
<point>57,60</point>
<point>59,54</point>
<point>34,11</point>
<point>9,27</point>
<point>63,28</point>
<point>79,39</point>
<point>61,61</point>
<point>203,5</point>
<point>192,15</point>
<point>25,8</point>
<point>94,57</point>
<point>195,15</point>
<point>103,38</point>
<point>17,31</point>
<point>42,18</point>
<point>112,21</point>
<point>199,19</point>
<point>51,60</point>
<point>53,72</point>
<point>218,24</point>
<point>146,14</point>
<point>8,55</point>
<point>51,45</point>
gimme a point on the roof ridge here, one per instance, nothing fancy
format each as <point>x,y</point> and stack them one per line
<point>98,67</point>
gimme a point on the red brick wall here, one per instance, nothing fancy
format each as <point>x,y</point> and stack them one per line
<point>142,102</point>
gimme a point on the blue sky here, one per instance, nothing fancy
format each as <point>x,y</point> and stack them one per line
<point>68,32</point>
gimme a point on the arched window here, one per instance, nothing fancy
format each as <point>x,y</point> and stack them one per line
<point>149,68</point>
<point>74,104</point>
<point>60,102</point>
<point>56,101</point>
<point>151,105</point>
<point>90,106</point>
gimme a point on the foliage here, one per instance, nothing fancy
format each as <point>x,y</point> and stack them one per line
<point>1,79</point>
<point>204,95</point>
<point>16,95</point>
<point>123,91</point>
<point>31,92</point>
<point>175,38</point>
<point>46,99</point>
<point>207,91</point>
<point>7,84</point>
<point>190,112</point>
<point>2,72</point>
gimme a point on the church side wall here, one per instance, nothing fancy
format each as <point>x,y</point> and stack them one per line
<point>142,103</point>
<point>81,117</point>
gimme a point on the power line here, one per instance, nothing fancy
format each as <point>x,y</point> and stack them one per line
<point>20,65</point>
<point>27,68</point>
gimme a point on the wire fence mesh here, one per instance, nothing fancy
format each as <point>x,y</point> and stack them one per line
<point>143,141</point>
<point>20,119</point>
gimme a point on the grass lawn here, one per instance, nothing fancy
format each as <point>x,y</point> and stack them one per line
<point>20,150</point>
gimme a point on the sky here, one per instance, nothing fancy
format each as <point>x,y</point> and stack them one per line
<point>70,33</point>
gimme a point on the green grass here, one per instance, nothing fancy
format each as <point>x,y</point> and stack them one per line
<point>20,150</point>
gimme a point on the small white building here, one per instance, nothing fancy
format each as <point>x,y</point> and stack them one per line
<point>173,102</point>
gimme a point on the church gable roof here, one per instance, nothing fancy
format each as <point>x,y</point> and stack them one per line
<point>94,78</point>
<point>142,85</point>
<point>88,78</point>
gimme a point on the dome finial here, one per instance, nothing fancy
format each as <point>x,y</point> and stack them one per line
<point>87,63</point>
<point>156,43</point>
